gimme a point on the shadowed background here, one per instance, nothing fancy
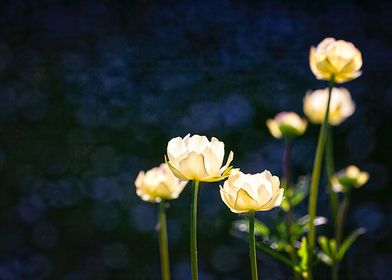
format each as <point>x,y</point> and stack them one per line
<point>92,91</point>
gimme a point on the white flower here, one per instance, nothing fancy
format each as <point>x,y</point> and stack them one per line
<point>348,178</point>
<point>341,106</point>
<point>158,183</point>
<point>246,192</point>
<point>339,60</point>
<point>286,124</point>
<point>196,158</point>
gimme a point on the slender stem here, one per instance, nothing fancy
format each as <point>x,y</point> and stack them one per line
<point>289,220</point>
<point>312,210</point>
<point>287,175</point>
<point>252,245</point>
<point>287,162</point>
<point>335,272</point>
<point>329,160</point>
<point>193,230</point>
<point>343,209</point>
<point>164,249</point>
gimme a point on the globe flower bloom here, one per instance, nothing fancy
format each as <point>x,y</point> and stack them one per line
<point>287,124</point>
<point>348,178</point>
<point>335,60</point>
<point>340,108</point>
<point>158,184</point>
<point>196,158</point>
<point>246,192</point>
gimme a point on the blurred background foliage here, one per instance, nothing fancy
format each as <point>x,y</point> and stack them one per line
<point>91,92</point>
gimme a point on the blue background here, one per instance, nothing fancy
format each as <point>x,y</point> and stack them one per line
<point>92,91</point>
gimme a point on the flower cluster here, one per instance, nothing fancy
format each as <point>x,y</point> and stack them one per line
<point>195,158</point>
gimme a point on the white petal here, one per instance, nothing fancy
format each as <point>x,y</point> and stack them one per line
<point>197,144</point>
<point>176,150</point>
<point>211,163</point>
<point>218,148</point>
<point>229,160</point>
<point>139,179</point>
<point>193,166</point>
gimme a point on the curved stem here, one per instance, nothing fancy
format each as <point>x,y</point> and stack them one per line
<point>163,246</point>
<point>193,230</point>
<point>312,209</point>
<point>252,245</point>
<point>329,160</point>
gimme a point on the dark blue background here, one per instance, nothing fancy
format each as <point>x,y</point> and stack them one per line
<point>92,91</point>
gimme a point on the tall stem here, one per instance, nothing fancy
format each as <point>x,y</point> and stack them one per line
<point>252,245</point>
<point>343,209</point>
<point>335,272</point>
<point>289,220</point>
<point>193,230</point>
<point>315,181</point>
<point>287,162</point>
<point>164,249</point>
<point>329,160</point>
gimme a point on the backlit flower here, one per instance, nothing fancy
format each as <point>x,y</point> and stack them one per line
<point>286,124</point>
<point>246,192</point>
<point>335,59</point>
<point>340,108</point>
<point>158,183</point>
<point>348,178</point>
<point>196,158</point>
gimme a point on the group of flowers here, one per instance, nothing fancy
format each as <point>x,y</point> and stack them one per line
<point>197,159</point>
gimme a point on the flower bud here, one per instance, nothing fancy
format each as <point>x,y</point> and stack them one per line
<point>338,60</point>
<point>348,178</point>
<point>340,108</point>
<point>246,192</point>
<point>157,184</point>
<point>287,124</point>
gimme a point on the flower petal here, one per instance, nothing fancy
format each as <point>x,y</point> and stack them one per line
<point>244,201</point>
<point>176,172</point>
<point>229,160</point>
<point>193,167</point>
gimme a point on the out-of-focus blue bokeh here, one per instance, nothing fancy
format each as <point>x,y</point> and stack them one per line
<point>92,91</point>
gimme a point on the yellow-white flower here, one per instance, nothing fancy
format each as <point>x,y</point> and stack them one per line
<point>287,124</point>
<point>335,59</point>
<point>348,178</point>
<point>340,108</point>
<point>246,192</point>
<point>196,158</point>
<point>158,183</point>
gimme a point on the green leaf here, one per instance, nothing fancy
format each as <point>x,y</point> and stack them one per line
<point>323,241</point>
<point>276,255</point>
<point>260,228</point>
<point>348,242</point>
<point>303,254</point>
<point>333,248</point>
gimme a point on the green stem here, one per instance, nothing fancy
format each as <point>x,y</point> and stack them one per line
<point>193,230</point>
<point>335,272</point>
<point>315,181</point>
<point>329,160</point>
<point>343,209</point>
<point>289,220</point>
<point>164,249</point>
<point>252,245</point>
